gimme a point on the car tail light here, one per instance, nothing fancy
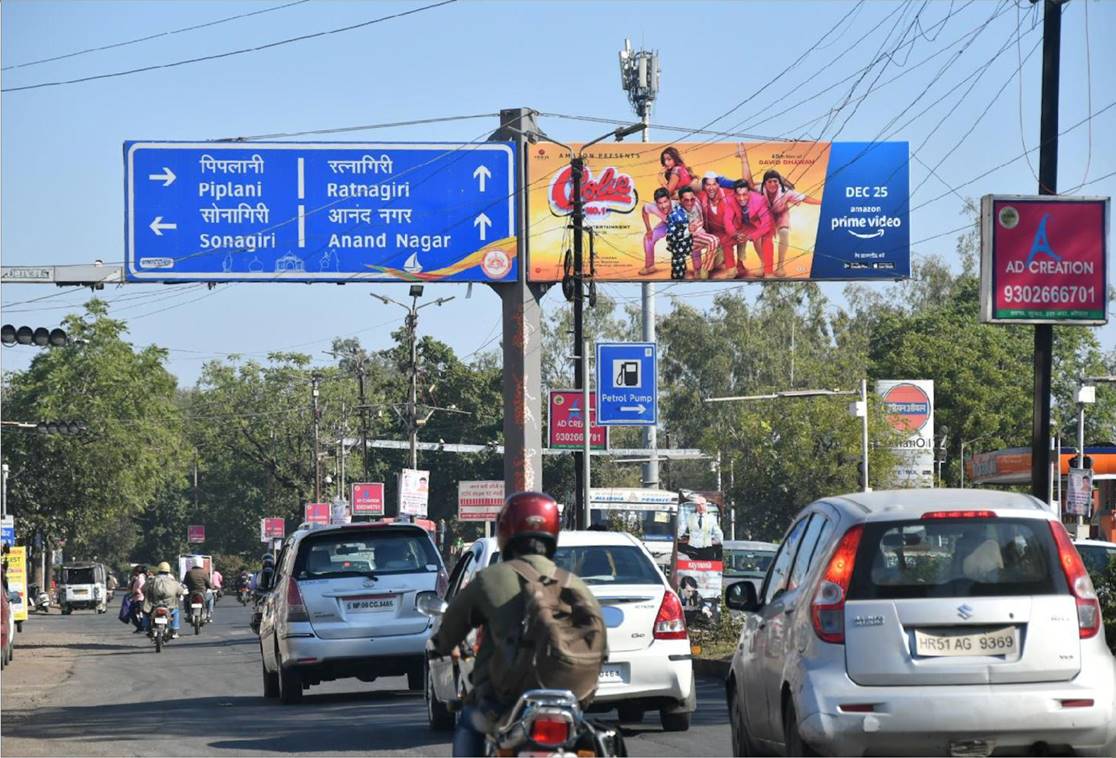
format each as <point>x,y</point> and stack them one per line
<point>828,608</point>
<point>670,623</point>
<point>959,514</point>
<point>443,583</point>
<point>1088,607</point>
<point>1077,703</point>
<point>296,609</point>
<point>550,729</point>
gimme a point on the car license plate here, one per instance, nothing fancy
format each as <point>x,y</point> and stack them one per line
<point>611,673</point>
<point>81,592</point>
<point>995,642</point>
<point>371,604</point>
<point>160,620</point>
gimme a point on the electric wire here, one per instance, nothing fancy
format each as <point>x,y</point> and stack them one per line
<point>230,53</point>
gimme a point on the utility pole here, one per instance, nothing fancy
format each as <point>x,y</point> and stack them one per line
<point>1048,185</point>
<point>314,380</point>
<point>639,75</point>
<point>363,418</point>
<point>4,489</point>
<point>581,474</point>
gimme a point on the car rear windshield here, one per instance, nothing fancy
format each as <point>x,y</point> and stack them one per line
<point>608,564</point>
<point>962,557</point>
<point>365,553</point>
<point>80,576</point>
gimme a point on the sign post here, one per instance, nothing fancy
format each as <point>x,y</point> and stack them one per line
<point>368,499</point>
<point>627,384</point>
<point>479,501</point>
<point>320,212</point>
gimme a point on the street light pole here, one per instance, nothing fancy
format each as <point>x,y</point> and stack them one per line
<point>314,379</point>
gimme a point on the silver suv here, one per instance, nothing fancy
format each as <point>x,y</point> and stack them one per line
<point>923,622</point>
<point>343,605</point>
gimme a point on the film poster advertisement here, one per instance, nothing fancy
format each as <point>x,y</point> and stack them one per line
<point>724,211</point>
<point>699,558</point>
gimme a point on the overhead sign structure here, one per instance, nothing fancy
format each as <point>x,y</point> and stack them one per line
<point>567,422</point>
<point>627,384</point>
<point>414,491</point>
<point>273,528</point>
<point>317,513</point>
<point>1044,259</point>
<point>319,212</point>
<point>909,409</point>
<point>479,501</point>
<point>814,211</point>
<point>368,499</point>
<point>195,533</point>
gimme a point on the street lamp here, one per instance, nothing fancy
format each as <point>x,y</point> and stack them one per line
<point>411,323</point>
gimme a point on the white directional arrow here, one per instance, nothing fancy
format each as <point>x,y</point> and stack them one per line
<point>483,222</point>
<point>480,175</point>
<point>158,226</point>
<point>641,408</point>
<point>167,177</point>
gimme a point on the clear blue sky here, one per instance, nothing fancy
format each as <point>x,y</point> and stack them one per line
<point>62,172</point>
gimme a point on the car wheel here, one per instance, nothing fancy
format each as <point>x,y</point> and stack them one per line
<point>675,722</point>
<point>415,678</point>
<point>437,713</point>
<point>290,686</point>
<point>792,739</point>
<point>741,740</point>
<point>270,680</point>
<point>629,714</point>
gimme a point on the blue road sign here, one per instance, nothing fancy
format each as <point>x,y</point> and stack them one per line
<point>322,212</point>
<point>627,384</point>
<point>7,531</point>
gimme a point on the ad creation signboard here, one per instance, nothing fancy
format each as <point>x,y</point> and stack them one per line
<point>272,528</point>
<point>566,421</point>
<point>815,210</point>
<point>368,499</point>
<point>1044,259</point>
<point>195,533</point>
<point>317,513</point>
<point>479,501</point>
<point>319,212</point>
<point>414,491</point>
<point>909,406</point>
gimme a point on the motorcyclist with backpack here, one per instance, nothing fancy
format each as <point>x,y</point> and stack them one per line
<point>542,625</point>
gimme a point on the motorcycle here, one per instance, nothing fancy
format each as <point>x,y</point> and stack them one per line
<point>550,722</point>
<point>244,594</point>
<point>197,611</point>
<point>160,626</point>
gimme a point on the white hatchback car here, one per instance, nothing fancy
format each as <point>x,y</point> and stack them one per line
<point>649,666</point>
<point>923,622</point>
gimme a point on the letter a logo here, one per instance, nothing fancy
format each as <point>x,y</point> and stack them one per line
<point>1041,244</point>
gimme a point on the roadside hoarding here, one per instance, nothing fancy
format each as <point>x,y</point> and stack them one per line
<point>1079,491</point>
<point>272,528</point>
<point>317,513</point>
<point>16,560</point>
<point>195,534</point>
<point>834,211</point>
<point>1044,259</point>
<point>368,499</point>
<point>699,568</point>
<point>479,501</point>
<point>414,491</point>
<point>909,408</point>
<point>566,419</point>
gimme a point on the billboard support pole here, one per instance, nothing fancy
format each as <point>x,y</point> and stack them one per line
<point>1048,183</point>
<point>864,432</point>
<point>522,333</point>
<point>586,456</point>
<point>581,501</point>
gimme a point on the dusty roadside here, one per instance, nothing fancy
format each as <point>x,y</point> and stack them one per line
<point>44,660</point>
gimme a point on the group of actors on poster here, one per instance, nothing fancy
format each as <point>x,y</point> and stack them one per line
<point>708,224</point>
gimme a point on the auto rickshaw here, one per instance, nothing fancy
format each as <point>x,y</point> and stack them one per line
<point>81,584</point>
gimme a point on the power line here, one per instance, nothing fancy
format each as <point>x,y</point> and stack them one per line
<point>152,36</point>
<point>230,53</point>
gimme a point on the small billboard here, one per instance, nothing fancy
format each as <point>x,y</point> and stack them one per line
<point>368,499</point>
<point>479,501</point>
<point>272,528</point>
<point>317,513</point>
<point>909,408</point>
<point>567,419</point>
<point>195,534</point>
<point>414,491</point>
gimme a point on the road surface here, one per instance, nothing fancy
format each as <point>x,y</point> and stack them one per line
<point>84,685</point>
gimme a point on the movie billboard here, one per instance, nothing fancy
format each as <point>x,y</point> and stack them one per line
<point>752,211</point>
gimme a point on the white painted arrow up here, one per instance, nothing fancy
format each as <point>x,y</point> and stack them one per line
<point>483,222</point>
<point>480,174</point>
<point>167,177</point>
<point>158,226</point>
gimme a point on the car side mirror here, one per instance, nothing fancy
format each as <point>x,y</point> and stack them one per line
<point>741,596</point>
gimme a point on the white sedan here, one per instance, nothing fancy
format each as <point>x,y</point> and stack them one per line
<point>649,666</point>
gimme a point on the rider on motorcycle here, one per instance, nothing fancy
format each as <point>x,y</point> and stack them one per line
<point>527,529</point>
<point>267,572</point>
<point>164,589</point>
<point>197,582</point>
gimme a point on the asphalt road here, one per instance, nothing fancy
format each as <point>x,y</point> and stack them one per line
<point>203,696</point>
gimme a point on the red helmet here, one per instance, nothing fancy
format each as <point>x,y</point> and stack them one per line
<point>528,514</point>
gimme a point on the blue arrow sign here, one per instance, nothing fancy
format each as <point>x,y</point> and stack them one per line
<point>627,384</point>
<point>321,212</point>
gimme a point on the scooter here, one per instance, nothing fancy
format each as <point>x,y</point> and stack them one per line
<point>160,626</point>
<point>244,595</point>
<point>197,611</point>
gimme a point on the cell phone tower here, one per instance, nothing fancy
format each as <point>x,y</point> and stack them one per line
<point>639,76</point>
